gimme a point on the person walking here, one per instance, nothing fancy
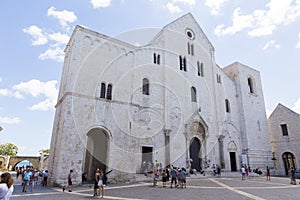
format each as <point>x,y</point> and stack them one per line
<point>293,178</point>
<point>6,186</point>
<point>97,178</point>
<point>70,177</point>
<point>243,172</point>
<point>26,179</point>
<point>164,178</point>
<point>101,184</point>
<point>173,176</point>
<point>268,174</point>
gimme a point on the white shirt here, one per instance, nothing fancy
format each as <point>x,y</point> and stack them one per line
<point>5,192</point>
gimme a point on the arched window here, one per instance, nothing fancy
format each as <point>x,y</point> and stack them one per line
<point>103,88</point>
<point>156,58</point>
<point>288,161</point>
<point>250,84</point>
<point>109,92</point>
<point>227,106</point>
<point>200,68</point>
<point>193,94</point>
<point>189,48</point>
<point>145,86</point>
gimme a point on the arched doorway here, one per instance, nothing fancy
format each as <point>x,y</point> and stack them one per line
<point>288,161</point>
<point>96,152</point>
<point>195,153</point>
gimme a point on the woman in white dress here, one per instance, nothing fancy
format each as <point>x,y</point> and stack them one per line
<point>6,186</point>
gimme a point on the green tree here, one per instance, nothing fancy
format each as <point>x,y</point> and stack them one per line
<point>44,151</point>
<point>8,149</point>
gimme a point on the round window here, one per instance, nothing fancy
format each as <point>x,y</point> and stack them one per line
<point>190,34</point>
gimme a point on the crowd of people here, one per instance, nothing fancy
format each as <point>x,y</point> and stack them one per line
<point>175,175</point>
<point>31,177</point>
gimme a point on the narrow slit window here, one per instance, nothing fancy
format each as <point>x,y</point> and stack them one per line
<point>103,89</point>
<point>227,105</point>
<point>109,92</point>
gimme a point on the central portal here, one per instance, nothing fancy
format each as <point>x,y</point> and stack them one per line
<point>195,154</point>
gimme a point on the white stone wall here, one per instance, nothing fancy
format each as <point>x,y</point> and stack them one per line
<point>281,144</point>
<point>132,120</point>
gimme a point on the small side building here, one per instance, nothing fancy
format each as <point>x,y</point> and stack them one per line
<point>284,130</point>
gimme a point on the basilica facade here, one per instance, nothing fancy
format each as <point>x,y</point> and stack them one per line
<point>121,105</point>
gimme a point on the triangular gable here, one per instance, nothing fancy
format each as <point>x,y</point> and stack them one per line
<point>281,108</point>
<point>172,25</point>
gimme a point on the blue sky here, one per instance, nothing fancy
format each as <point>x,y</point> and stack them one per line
<point>263,34</point>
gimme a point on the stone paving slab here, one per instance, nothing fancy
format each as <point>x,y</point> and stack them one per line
<point>207,188</point>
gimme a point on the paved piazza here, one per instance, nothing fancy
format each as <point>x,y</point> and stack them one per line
<point>198,187</point>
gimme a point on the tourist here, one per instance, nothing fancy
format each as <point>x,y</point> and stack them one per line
<point>101,184</point>
<point>243,172</point>
<point>155,177</point>
<point>173,176</point>
<point>268,174</point>
<point>45,177</point>
<point>26,179</point>
<point>6,186</point>
<point>293,178</point>
<point>97,178</point>
<point>218,170</point>
<point>164,178</point>
<point>182,176</point>
<point>70,177</point>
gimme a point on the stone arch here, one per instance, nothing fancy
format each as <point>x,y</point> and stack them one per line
<point>196,143</point>
<point>289,161</point>
<point>97,151</point>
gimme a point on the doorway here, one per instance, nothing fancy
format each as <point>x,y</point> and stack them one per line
<point>233,161</point>
<point>147,154</point>
<point>289,162</point>
<point>96,153</point>
<point>195,154</point>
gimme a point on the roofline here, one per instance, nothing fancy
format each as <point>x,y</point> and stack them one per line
<point>106,37</point>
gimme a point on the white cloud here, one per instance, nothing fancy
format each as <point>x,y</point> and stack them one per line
<point>54,54</point>
<point>64,16</point>
<point>59,38</point>
<point>100,3</point>
<point>214,5</point>
<point>10,120</point>
<point>173,8</point>
<point>263,22</point>
<point>186,2</point>
<point>4,92</point>
<point>296,106</point>
<point>271,44</point>
<point>298,44</point>
<point>239,23</point>
<point>38,37</point>
<point>35,88</point>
